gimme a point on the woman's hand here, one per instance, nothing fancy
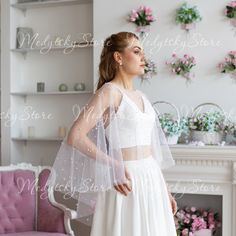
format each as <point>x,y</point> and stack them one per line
<point>173,204</point>
<point>125,187</point>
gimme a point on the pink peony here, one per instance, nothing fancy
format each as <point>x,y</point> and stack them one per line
<point>198,224</point>
<point>233,4</point>
<point>185,232</point>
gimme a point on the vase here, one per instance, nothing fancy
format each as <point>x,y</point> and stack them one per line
<point>143,30</point>
<point>233,22</point>
<point>188,27</point>
<point>203,232</point>
<point>79,87</point>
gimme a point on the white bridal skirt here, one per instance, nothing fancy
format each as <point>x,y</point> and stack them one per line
<point>146,211</point>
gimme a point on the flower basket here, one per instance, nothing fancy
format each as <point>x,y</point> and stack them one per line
<point>207,137</point>
<point>210,137</point>
<point>203,232</point>
<point>172,137</point>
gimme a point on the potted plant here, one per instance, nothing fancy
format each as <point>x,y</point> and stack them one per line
<point>229,64</point>
<point>191,221</point>
<point>142,18</point>
<point>182,66</point>
<point>187,16</point>
<point>230,12</point>
<point>207,127</point>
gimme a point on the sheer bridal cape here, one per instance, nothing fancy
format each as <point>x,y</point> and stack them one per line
<point>94,160</point>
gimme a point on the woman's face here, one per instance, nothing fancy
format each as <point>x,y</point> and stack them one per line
<point>133,58</point>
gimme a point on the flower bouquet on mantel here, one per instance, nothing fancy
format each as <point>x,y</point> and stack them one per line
<point>207,127</point>
<point>143,18</point>
<point>190,221</point>
<point>187,16</point>
<point>230,12</point>
<point>229,64</point>
<point>172,127</point>
<point>182,66</point>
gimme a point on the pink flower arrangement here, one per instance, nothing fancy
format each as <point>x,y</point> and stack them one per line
<point>189,220</point>
<point>229,64</point>
<point>142,17</point>
<point>182,66</point>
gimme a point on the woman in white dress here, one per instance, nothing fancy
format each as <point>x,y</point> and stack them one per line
<point>119,131</point>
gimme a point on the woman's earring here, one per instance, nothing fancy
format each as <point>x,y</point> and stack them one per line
<point>120,63</point>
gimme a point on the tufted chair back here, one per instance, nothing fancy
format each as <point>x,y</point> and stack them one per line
<point>27,207</point>
<point>17,201</point>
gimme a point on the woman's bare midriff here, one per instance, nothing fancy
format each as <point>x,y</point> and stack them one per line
<point>136,152</point>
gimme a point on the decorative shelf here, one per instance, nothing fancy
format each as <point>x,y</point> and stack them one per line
<point>37,139</point>
<point>78,46</point>
<point>50,93</point>
<point>51,3</point>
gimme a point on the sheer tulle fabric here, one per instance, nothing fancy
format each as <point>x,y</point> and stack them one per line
<point>95,163</point>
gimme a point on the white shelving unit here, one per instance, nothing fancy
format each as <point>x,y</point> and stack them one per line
<point>38,49</point>
<point>44,139</point>
<point>49,93</point>
<point>46,4</point>
<point>49,110</point>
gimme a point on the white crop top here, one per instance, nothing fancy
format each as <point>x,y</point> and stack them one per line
<point>134,126</point>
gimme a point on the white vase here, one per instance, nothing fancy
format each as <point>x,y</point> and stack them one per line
<point>203,232</point>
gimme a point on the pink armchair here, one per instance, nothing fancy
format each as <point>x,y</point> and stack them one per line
<point>27,208</point>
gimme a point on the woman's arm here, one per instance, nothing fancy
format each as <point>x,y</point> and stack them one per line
<point>88,119</point>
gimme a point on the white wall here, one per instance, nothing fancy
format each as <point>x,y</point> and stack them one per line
<point>214,29</point>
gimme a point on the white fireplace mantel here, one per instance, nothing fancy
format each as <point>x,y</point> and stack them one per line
<point>206,170</point>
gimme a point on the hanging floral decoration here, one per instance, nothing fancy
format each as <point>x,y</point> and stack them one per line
<point>143,18</point>
<point>182,66</point>
<point>230,12</point>
<point>150,70</point>
<point>187,16</point>
<point>229,64</point>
